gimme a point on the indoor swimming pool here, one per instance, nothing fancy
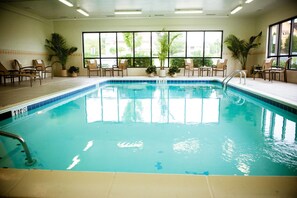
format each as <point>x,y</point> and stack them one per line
<point>172,127</point>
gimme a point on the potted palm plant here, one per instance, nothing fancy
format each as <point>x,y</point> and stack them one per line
<point>240,48</point>
<point>151,70</point>
<point>164,47</point>
<point>57,45</point>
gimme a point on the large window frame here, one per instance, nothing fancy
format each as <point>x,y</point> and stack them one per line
<point>282,42</point>
<point>150,58</point>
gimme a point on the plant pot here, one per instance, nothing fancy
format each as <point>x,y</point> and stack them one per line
<point>151,75</point>
<point>74,74</point>
<point>162,73</point>
<point>174,75</point>
<point>63,73</point>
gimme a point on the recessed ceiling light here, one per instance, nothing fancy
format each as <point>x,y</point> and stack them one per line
<point>127,12</point>
<point>82,11</point>
<point>68,3</point>
<point>188,11</point>
<point>235,10</point>
<point>248,1</point>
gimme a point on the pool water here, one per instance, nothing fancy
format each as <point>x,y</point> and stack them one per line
<point>194,128</point>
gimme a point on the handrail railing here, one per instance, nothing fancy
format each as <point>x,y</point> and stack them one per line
<point>230,76</point>
<point>30,160</point>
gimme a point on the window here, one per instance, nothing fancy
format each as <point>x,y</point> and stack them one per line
<point>141,48</point>
<point>282,42</point>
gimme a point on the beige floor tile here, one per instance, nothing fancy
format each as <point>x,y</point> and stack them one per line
<point>38,183</point>
<point>253,187</point>
<point>9,178</point>
<point>163,186</point>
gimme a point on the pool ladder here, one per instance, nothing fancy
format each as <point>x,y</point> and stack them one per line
<point>230,76</point>
<point>30,160</point>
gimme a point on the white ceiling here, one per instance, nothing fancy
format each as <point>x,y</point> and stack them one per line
<point>54,10</point>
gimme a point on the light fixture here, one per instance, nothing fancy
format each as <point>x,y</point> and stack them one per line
<point>82,11</point>
<point>188,11</point>
<point>236,9</point>
<point>248,1</point>
<point>68,3</point>
<point>127,12</point>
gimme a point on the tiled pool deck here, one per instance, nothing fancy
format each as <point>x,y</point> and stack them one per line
<point>42,183</point>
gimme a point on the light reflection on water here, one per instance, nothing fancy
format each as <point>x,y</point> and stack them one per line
<point>183,129</point>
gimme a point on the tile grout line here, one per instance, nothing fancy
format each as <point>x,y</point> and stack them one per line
<point>209,187</point>
<point>111,185</point>
<point>8,192</point>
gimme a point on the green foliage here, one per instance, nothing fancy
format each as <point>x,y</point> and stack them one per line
<point>180,62</point>
<point>198,62</point>
<point>240,48</point>
<point>151,69</point>
<point>73,69</point>
<point>164,46</point>
<point>128,38</point>
<point>294,43</point>
<point>173,69</point>
<point>142,62</point>
<point>59,49</point>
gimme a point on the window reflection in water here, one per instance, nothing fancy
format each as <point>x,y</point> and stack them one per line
<point>154,103</point>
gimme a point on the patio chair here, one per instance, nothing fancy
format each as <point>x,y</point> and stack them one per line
<point>17,65</point>
<point>41,67</point>
<point>92,66</point>
<point>189,67</point>
<point>123,64</point>
<point>280,70</point>
<point>266,68</point>
<point>221,66</point>
<point>12,74</point>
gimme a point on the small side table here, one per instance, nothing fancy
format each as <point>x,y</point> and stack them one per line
<point>107,69</point>
<point>205,68</point>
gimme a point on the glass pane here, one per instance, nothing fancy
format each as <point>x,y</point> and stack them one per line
<point>155,44</point>
<point>293,63</point>
<point>273,40</point>
<point>108,44</point>
<point>285,37</point>
<point>91,45</point>
<point>178,46</point>
<point>142,62</point>
<point>294,39</point>
<point>213,43</point>
<point>125,44</point>
<point>195,44</point>
<point>180,62</point>
<point>282,61</point>
<point>108,63</point>
<point>156,62</point>
<point>143,44</point>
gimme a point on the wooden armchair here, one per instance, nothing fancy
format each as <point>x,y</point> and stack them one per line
<point>221,66</point>
<point>189,67</point>
<point>92,66</point>
<point>281,70</point>
<point>123,65</point>
<point>41,67</point>
<point>12,74</point>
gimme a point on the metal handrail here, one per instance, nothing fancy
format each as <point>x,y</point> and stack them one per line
<point>230,76</point>
<point>30,160</point>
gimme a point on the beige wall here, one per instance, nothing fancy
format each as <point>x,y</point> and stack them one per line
<point>23,35</point>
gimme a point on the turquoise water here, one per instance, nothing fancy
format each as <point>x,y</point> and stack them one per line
<point>194,128</point>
